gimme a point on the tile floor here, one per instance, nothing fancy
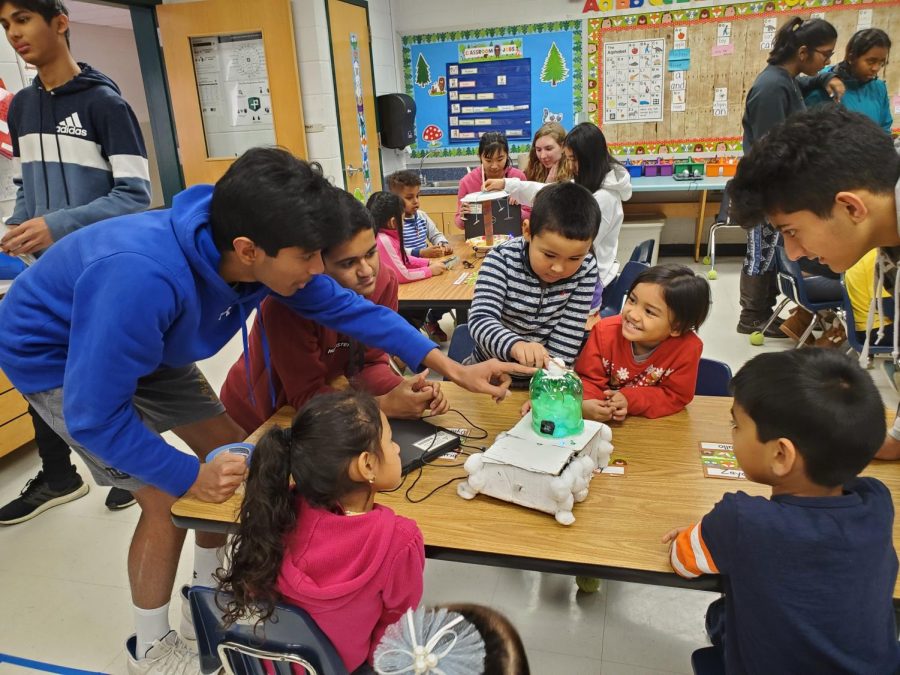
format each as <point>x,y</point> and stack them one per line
<point>64,592</point>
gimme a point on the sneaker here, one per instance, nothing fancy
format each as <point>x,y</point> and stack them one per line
<point>773,331</point>
<point>168,656</point>
<point>186,627</point>
<point>119,499</point>
<point>435,332</point>
<point>833,337</point>
<point>37,497</point>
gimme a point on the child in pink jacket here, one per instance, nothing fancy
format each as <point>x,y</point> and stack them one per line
<point>493,152</point>
<point>387,214</point>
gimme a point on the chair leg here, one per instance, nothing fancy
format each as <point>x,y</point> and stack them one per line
<point>809,329</point>
<point>711,247</point>
<point>774,315</point>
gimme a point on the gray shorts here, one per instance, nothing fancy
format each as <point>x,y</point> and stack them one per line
<point>164,400</point>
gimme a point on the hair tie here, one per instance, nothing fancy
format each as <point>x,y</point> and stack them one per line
<point>796,26</point>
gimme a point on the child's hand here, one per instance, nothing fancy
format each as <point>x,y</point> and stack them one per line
<point>596,410</point>
<point>465,208</point>
<point>493,184</point>
<point>618,402</point>
<point>431,252</point>
<point>446,248</point>
<point>437,268</point>
<point>525,409</point>
<point>413,397</point>
<point>529,354</point>
<point>672,535</point>
<point>835,89</point>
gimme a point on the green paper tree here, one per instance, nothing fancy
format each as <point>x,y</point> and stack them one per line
<point>554,69</point>
<point>423,72</point>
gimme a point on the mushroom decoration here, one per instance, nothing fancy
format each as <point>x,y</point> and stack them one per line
<point>432,135</point>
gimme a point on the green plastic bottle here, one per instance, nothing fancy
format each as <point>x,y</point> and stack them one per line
<point>556,395</point>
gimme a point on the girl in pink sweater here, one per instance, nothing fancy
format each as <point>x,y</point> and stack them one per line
<point>493,153</point>
<point>387,215</point>
<point>323,544</point>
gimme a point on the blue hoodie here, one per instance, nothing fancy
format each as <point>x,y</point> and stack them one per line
<point>869,98</point>
<point>116,301</point>
<point>79,154</point>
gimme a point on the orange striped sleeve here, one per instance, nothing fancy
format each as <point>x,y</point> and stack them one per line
<point>689,556</point>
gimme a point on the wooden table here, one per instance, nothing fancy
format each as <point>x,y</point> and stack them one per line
<point>440,292</point>
<point>619,527</point>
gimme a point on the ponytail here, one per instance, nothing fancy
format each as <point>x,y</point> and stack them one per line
<point>798,33</point>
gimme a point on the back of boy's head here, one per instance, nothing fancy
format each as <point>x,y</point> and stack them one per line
<point>355,216</point>
<point>400,180</point>
<point>822,401</point>
<point>806,160</point>
<point>567,209</point>
<point>686,294</point>
<point>47,9</point>
<point>277,201</point>
<point>326,435</point>
<point>383,206</point>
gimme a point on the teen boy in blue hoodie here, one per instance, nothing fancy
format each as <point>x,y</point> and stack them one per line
<point>82,159</point>
<point>102,333</point>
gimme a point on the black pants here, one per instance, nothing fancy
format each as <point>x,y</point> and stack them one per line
<point>59,472</point>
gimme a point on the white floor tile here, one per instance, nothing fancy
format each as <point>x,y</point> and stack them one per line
<point>458,582</point>
<point>553,663</point>
<point>612,668</point>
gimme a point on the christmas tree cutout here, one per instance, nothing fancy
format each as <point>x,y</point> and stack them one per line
<point>554,69</point>
<point>423,72</point>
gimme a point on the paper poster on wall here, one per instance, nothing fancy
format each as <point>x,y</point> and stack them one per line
<point>723,33</point>
<point>633,81</point>
<point>233,88</point>
<point>360,115</point>
<point>679,101</point>
<point>864,19</point>
<point>770,26</point>
<point>680,38</point>
<point>895,102</point>
<point>720,102</point>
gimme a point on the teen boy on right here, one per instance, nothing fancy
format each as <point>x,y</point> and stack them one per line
<point>534,292</point>
<point>809,573</point>
<point>829,180</point>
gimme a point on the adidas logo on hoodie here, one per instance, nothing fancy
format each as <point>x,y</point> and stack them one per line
<point>71,126</point>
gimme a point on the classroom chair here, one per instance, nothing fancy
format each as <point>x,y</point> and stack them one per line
<point>707,661</point>
<point>713,378</point>
<point>643,252</point>
<point>853,342</point>
<point>722,221</point>
<point>794,287</point>
<point>614,296</point>
<point>461,343</point>
<point>289,637</point>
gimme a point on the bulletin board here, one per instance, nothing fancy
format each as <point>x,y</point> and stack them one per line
<point>713,55</point>
<point>511,79</point>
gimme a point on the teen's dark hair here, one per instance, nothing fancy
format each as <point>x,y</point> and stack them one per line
<point>403,179</point>
<point>48,9</point>
<point>277,201</point>
<point>567,209</point>
<point>819,399</point>
<point>492,143</point>
<point>328,433</point>
<point>798,33</point>
<point>806,160</point>
<point>383,206</point>
<point>504,651</point>
<point>861,42</point>
<point>356,217</point>
<point>686,294</point>
<point>588,144</point>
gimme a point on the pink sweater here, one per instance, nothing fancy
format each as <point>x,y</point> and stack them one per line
<point>473,181</point>
<point>354,575</point>
<point>388,242</point>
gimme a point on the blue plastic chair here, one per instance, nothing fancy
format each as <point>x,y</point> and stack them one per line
<point>614,297</point>
<point>721,221</point>
<point>850,321</point>
<point>707,661</point>
<point>793,285</point>
<point>289,637</point>
<point>461,343</point>
<point>713,378</point>
<point>643,252</point>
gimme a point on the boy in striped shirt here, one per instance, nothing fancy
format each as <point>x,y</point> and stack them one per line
<point>808,574</point>
<point>534,292</point>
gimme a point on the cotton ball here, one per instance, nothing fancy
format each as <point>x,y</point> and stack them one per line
<point>478,480</point>
<point>474,464</point>
<point>605,432</point>
<point>564,517</point>
<point>560,489</point>
<point>465,491</point>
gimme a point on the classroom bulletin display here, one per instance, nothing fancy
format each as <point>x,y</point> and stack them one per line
<point>511,79</point>
<point>688,96</point>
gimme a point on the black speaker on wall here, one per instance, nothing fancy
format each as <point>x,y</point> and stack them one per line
<point>397,113</point>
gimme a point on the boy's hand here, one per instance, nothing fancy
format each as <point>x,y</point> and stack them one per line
<point>493,184</point>
<point>531,354</point>
<point>32,235</point>
<point>413,397</point>
<point>217,480</point>
<point>431,252</point>
<point>489,377</point>
<point>437,269</point>
<point>525,409</point>
<point>446,248</point>
<point>618,402</point>
<point>672,535</point>
<point>596,410</point>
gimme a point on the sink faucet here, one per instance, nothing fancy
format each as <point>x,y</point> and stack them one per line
<point>421,162</point>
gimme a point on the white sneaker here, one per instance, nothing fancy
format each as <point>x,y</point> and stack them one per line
<point>168,656</point>
<point>186,627</point>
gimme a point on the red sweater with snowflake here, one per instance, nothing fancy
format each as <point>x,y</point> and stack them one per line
<point>662,385</point>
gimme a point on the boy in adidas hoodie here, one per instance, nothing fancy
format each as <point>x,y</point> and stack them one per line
<point>82,159</point>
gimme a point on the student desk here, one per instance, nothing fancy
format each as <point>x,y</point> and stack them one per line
<point>440,292</point>
<point>696,189</point>
<point>619,527</point>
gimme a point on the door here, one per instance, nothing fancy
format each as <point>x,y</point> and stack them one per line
<point>249,82</point>
<point>351,57</point>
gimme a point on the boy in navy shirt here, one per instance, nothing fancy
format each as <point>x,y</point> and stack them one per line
<point>808,574</point>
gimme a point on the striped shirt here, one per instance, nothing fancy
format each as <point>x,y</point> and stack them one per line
<point>418,230</point>
<point>512,304</point>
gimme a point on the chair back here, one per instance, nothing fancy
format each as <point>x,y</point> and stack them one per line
<point>722,216</point>
<point>461,343</point>
<point>643,252</point>
<point>793,283</point>
<point>713,378</point>
<point>290,636</point>
<point>614,299</point>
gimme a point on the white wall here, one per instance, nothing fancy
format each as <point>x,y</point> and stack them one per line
<point>12,78</point>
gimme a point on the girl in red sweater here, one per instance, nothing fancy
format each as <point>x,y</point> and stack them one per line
<point>644,361</point>
<point>323,544</point>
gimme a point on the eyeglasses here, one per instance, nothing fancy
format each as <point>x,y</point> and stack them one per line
<point>827,54</point>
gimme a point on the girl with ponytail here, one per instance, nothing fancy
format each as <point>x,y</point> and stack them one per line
<point>323,544</point>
